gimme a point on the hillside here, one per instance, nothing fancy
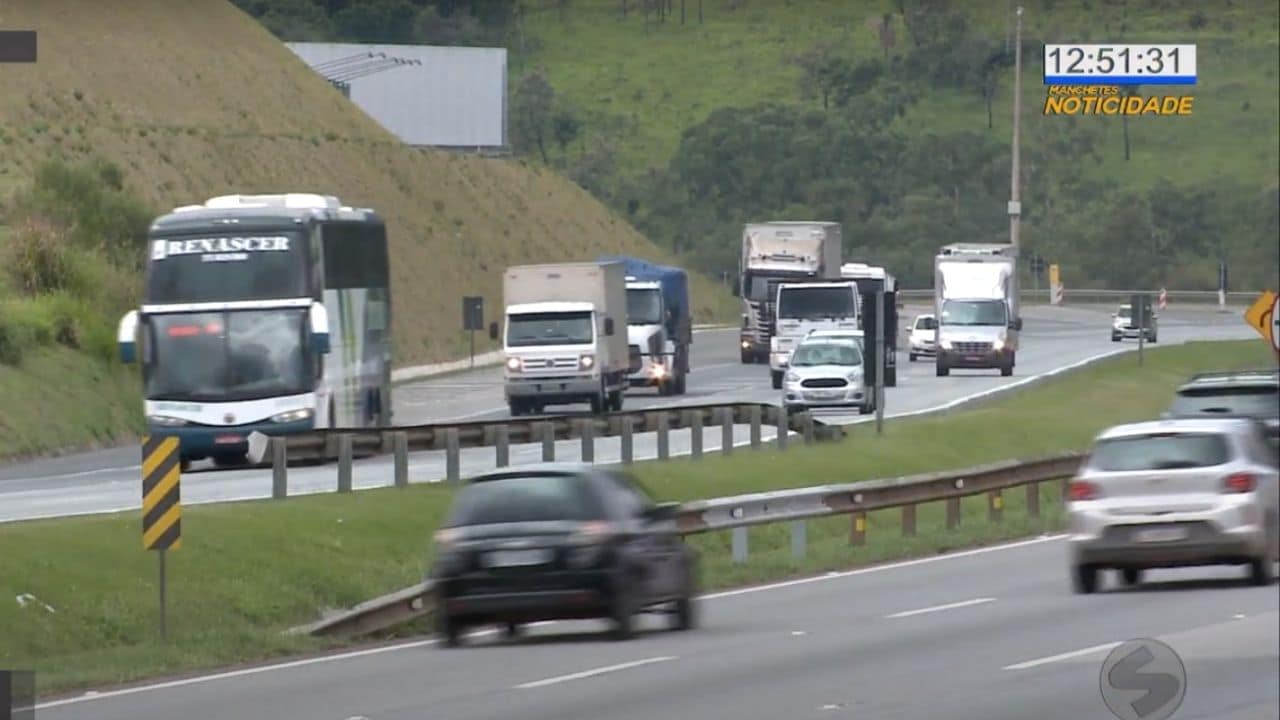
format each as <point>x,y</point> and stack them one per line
<point>194,99</point>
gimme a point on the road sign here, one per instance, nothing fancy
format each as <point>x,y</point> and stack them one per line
<point>1054,279</point>
<point>1264,316</point>
<point>161,494</point>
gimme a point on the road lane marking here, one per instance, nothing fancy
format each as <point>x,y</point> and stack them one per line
<point>428,642</point>
<point>939,608</point>
<point>1062,656</point>
<point>593,672</point>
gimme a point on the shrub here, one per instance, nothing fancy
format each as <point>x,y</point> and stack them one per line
<point>24,325</point>
<point>38,259</point>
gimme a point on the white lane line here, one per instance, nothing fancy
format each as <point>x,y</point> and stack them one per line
<point>1062,656</point>
<point>593,672</point>
<point>412,644</point>
<point>939,608</point>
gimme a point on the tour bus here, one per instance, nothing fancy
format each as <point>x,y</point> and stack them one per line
<point>262,312</point>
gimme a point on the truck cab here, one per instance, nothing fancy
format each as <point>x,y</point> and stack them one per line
<point>801,308</point>
<point>652,359</point>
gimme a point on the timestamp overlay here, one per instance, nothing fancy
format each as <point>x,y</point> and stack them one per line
<point>1109,79</point>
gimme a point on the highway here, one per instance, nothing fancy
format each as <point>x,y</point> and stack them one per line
<point>976,635</point>
<point>1054,338</point>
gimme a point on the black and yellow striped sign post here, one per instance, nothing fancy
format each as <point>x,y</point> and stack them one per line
<point>161,502</point>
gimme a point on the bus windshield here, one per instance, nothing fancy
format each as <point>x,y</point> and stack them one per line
<point>226,268</point>
<point>227,356</point>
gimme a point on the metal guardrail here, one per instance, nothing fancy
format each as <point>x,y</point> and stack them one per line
<point>1086,295</point>
<point>738,513</point>
<point>347,445</point>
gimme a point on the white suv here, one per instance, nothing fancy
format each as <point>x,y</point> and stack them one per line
<point>1174,493</point>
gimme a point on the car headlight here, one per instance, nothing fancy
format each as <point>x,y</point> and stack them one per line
<point>586,362</point>
<point>514,364</point>
<point>165,420</point>
<point>998,345</point>
<point>293,416</point>
<point>945,344</point>
<point>658,370</point>
<point>792,377</point>
<point>855,376</point>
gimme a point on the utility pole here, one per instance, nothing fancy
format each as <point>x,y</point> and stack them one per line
<point>1015,203</point>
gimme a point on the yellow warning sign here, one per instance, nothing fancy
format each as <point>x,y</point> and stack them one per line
<point>1264,316</point>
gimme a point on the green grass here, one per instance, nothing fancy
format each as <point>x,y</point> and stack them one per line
<point>659,80</point>
<point>249,570</point>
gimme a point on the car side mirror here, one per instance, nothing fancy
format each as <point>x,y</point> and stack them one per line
<point>493,331</point>
<point>661,512</point>
<point>1016,324</point>
<point>126,337</point>
<point>319,325</point>
<point>608,327</point>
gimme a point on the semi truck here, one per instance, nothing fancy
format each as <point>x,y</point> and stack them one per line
<point>801,308</point>
<point>975,295</point>
<point>659,324</point>
<point>873,280</point>
<point>774,253</point>
<point>564,339</point>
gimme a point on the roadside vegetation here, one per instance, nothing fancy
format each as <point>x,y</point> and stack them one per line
<point>89,611</point>
<point>893,117</point>
<point>89,154</point>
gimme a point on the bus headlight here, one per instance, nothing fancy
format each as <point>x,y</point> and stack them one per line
<point>293,416</point>
<point>165,420</point>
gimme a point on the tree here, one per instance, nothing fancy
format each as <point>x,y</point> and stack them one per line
<point>377,21</point>
<point>823,70</point>
<point>565,127</point>
<point>533,106</point>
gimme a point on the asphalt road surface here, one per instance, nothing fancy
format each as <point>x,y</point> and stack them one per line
<point>977,635</point>
<point>1053,339</point>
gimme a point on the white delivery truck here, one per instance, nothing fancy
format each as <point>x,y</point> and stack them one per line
<point>565,336</point>
<point>975,294</point>
<point>801,308</point>
<point>774,253</point>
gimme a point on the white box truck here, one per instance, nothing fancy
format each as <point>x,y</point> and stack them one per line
<point>565,337</point>
<point>975,295</point>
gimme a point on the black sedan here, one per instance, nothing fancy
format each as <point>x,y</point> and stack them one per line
<point>559,542</point>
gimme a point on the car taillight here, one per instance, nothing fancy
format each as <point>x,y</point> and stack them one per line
<point>1239,483</point>
<point>1082,490</point>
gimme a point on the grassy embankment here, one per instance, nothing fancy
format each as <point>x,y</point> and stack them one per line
<point>194,99</point>
<point>662,79</point>
<point>249,570</point>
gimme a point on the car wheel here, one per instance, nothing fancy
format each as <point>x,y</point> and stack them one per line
<point>941,369</point>
<point>866,409</point>
<point>777,379</point>
<point>615,401</point>
<point>622,616</point>
<point>747,358</point>
<point>1115,338</point>
<point>1261,571</point>
<point>1131,576</point>
<point>1084,579</point>
<point>911,357</point>
<point>681,384</point>
<point>516,408</point>
<point>1154,338</point>
<point>185,465</point>
<point>450,630</point>
<point>1006,370</point>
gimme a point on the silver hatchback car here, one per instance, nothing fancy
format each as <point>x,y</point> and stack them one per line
<point>1174,493</point>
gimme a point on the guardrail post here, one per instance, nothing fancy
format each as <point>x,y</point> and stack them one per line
<point>1033,499</point>
<point>726,430</point>
<point>695,433</point>
<point>1064,491</point>
<point>798,539</point>
<point>739,544</point>
<point>627,440</point>
<point>452,456</point>
<point>548,442</point>
<point>858,528</point>
<point>908,520</point>
<point>400,446</point>
<point>807,423</point>
<point>664,436</point>
<point>953,513</point>
<point>784,428</point>
<point>279,468</point>
<point>995,506</point>
<point>755,426</point>
<point>588,433</point>
<point>344,463</point>
<point>502,446</point>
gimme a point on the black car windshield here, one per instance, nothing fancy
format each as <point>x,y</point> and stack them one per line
<point>226,356</point>
<point>1165,451</point>
<point>811,354</point>
<point>973,312</point>
<point>533,497</point>
<point>644,307</point>
<point>1250,401</point>
<point>559,328</point>
<point>816,303</point>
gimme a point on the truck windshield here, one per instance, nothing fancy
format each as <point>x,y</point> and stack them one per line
<point>974,312</point>
<point>816,303</point>
<point>561,328</point>
<point>227,356</point>
<point>644,307</point>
